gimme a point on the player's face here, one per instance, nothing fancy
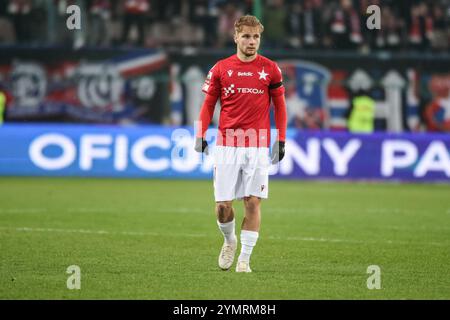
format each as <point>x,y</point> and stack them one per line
<point>248,41</point>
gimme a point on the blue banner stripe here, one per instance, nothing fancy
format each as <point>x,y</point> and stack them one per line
<point>167,152</point>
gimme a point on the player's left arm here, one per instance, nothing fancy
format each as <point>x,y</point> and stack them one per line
<point>276,90</point>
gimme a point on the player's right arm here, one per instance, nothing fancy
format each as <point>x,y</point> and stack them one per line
<point>212,89</point>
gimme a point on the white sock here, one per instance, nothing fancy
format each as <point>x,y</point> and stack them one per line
<point>227,230</point>
<point>248,241</point>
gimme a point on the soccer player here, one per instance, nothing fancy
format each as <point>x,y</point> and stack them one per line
<point>245,83</point>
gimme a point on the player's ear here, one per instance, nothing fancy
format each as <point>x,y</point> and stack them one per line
<point>235,37</point>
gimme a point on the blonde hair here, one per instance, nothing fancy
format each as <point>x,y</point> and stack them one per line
<point>249,21</point>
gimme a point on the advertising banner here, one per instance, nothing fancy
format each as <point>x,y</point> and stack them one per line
<point>116,88</point>
<point>167,152</point>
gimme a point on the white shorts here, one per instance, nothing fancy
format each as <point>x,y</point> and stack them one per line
<point>241,172</point>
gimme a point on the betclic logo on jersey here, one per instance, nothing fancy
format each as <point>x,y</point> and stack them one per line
<point>231,89</point>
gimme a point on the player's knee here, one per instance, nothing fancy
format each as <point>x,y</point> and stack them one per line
<point>223,211</point>
<point>252,205</point>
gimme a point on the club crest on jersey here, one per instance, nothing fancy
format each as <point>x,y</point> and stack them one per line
<point>230,72</point>
<point>263,74</point>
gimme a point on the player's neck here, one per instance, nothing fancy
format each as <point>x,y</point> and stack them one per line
<point>245,58</point>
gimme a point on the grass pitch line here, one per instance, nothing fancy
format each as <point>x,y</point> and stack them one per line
<point>439,244</point>
<point>101,232</point>
<point>201,235</point>
<point>23,210</point>
<point>198,210</point>
<point>116,210</point>
<point>99,210</point>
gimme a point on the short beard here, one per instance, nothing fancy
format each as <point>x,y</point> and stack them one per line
<point>247,54</point>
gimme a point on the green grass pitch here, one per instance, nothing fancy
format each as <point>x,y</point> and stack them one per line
<point>158,239</point>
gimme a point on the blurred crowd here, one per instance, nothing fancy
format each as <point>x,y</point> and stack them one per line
<point>317,24</point>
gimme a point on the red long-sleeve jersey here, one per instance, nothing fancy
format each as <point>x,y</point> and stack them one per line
<point>245,90</point>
